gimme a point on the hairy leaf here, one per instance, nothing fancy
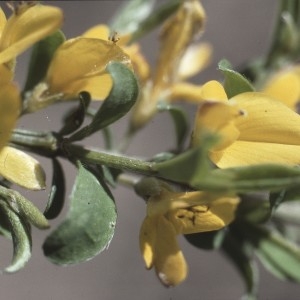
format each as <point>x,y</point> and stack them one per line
<point>89,225</point>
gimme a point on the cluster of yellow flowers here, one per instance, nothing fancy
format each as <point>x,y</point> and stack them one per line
<point>253,127</point>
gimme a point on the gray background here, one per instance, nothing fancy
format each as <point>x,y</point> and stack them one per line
<point>238,30</point>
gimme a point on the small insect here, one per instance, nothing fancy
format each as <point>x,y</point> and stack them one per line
<point>114,37</point>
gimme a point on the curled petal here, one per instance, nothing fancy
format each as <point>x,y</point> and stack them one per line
<point>80,59</point>
<point>28,25</point>
<point>22,169</point>
<point>169,262</point>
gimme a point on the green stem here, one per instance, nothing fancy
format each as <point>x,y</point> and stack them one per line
<point>111,160</point>
<point>43,142</point>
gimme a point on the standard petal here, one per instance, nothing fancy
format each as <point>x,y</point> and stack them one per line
<point>81,58</point>
<point>169,262</point>
<point>267,120</point>
<point>243,153</point>
<point>195,59</point>
<point>285,87</point>
<point>22,169</point>
<point>148,240</point>
<point>28,25</point>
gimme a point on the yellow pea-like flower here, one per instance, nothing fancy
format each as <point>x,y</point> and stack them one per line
<point>170,214</point>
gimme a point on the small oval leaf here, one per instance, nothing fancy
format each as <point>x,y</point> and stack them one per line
<point>89,225</point>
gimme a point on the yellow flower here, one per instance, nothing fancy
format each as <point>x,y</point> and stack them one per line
<point>284,86</point>
<point>178,60</point>
<point>170,214</point>
<point>79,64</point>
<point>28,24</point>
<point>15,165</point>
<point>253,128</point>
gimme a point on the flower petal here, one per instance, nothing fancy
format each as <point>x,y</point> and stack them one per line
<point>195,59</point>
<point>28,25</point>
<point>285,87</point>
<point>186,92</point>
<point>148,240</point>
<point>2,21</point>
<point>22,169</point>
<point>201,218</point>
<point>169,262</point>
<point>97,32</point>
<point>267,120</point>
<point>178,33</point>
<point>10,104</point>
<point>243,153</point>
<point>81,58</point>
<point>214,90</point>
<point>217,118</point>
<point>98,86</point>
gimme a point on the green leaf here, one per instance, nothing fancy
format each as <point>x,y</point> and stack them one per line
<point>89,225</point>
<point>131,15</point>
<point>240,255</point>
<point>41,56</point>
<point>278,255</point>
<point>58,190</point>
<point>188,167</point>
<point>74,119</point>
<point>156,18</point>
<point>24,208</point>
<point>180,120</point>
<point>265,177</point>
<point>20,232</point>
<point>206,240</point>
<point>122,97</point>
<point>234,83</point>
<point>253,208</point>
